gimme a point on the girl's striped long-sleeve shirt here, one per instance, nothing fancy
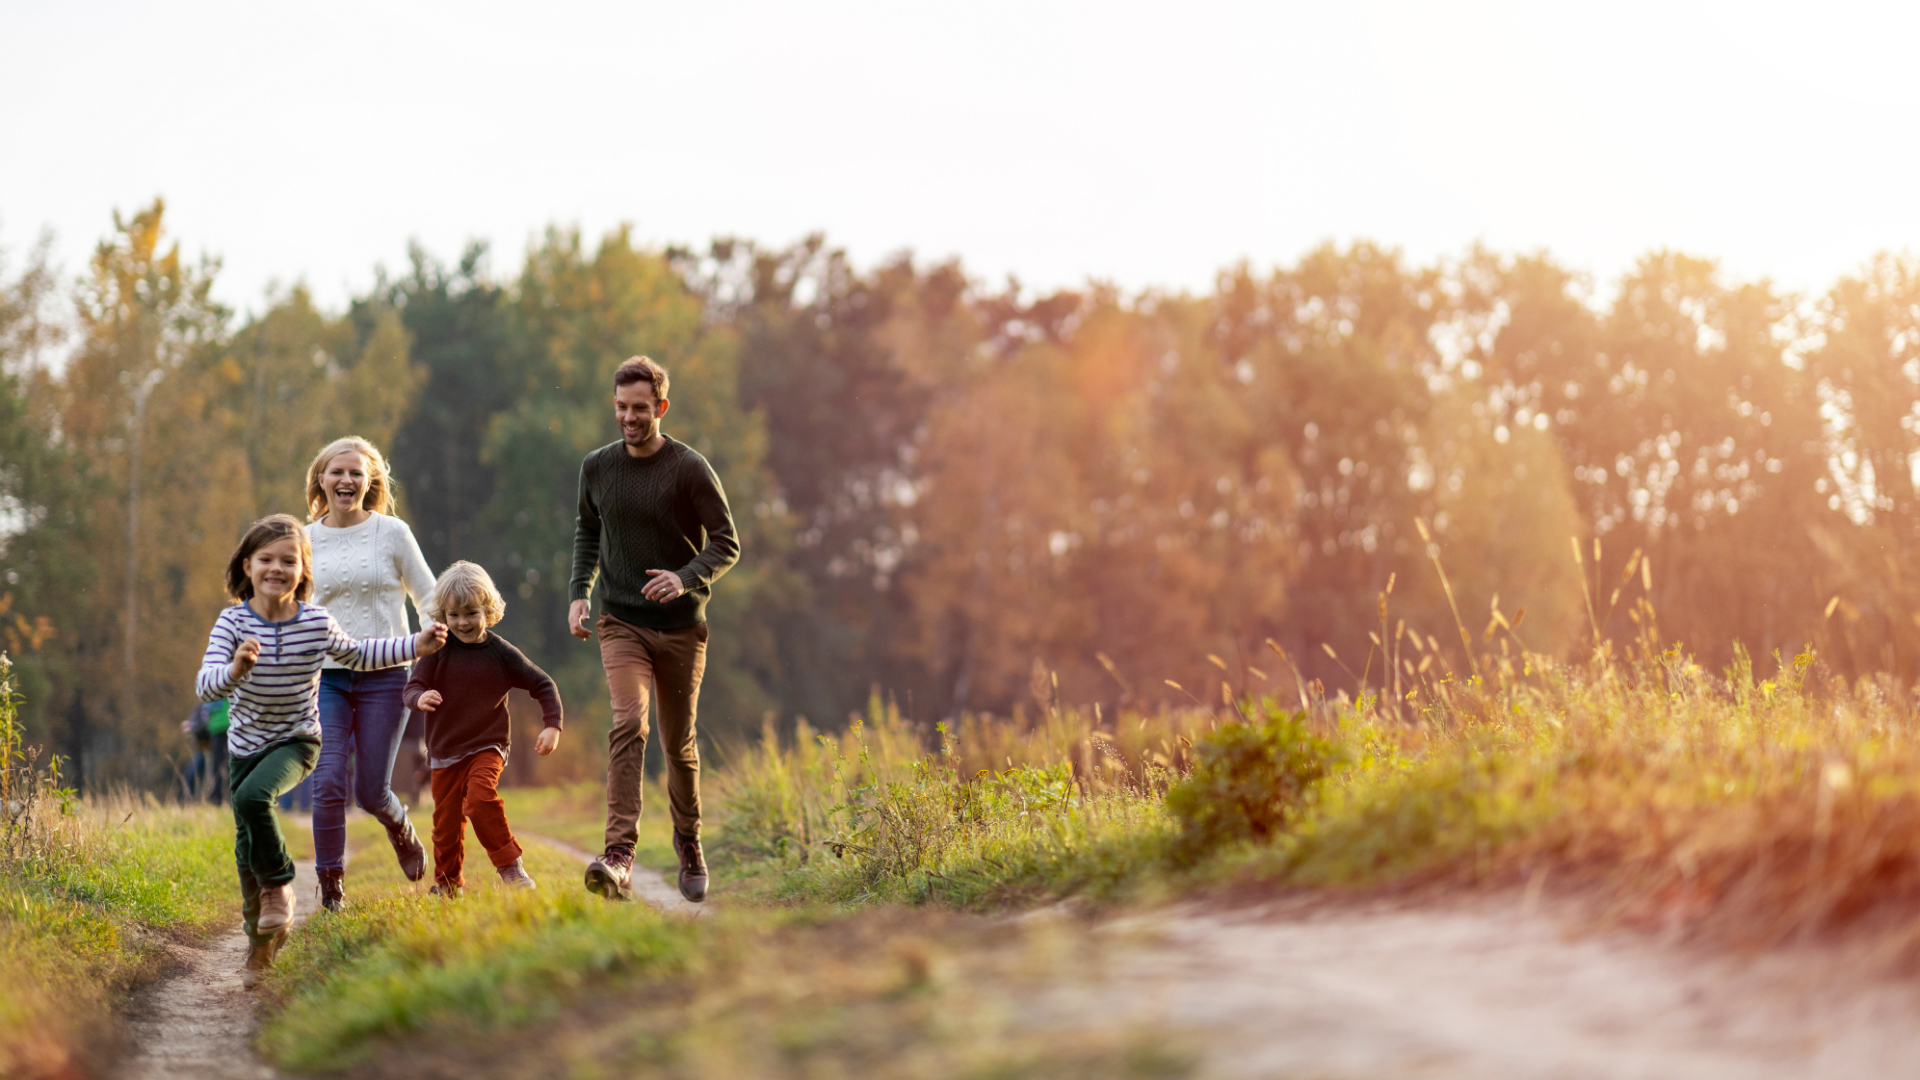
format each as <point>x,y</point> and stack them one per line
<point>279,700</point>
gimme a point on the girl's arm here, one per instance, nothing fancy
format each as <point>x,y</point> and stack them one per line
<point>371,654</point>
<point>415,577</point>
<point>216,679</point>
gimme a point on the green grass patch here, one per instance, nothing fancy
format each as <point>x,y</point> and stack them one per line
<point>559,983</point>
<point>399,961</point>
<point>81,914</point>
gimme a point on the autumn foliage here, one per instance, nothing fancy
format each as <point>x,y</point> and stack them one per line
<point>980,498</point>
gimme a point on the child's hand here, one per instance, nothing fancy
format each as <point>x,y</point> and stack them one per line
<point>428,640</point>
<point>548,742</point>
<point>428,702</point>
<point>245,656</point>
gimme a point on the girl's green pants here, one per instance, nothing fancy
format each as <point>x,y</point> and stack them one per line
<point>259,848</point>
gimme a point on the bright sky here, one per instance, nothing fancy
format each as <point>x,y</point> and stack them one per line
<point>1144,144</point>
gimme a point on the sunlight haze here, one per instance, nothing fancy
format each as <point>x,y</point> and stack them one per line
<point>1149,145</point>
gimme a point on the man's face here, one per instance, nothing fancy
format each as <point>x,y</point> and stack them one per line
<point>638,412</point>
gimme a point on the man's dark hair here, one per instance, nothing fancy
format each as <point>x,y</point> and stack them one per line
<point>641,369</point>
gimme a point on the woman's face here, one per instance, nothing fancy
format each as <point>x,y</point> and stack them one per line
<point>275,569</point>
<point>345,482</point>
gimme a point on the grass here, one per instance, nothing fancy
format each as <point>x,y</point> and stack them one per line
<point>87,887</point>
<point>869,816</point>
<point>561,983</point>
<point>1766,804</point>
<point>577,814</point>
<point>1737,807</point>
<point>82,921</point>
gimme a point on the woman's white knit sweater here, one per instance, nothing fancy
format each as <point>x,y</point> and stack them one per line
<point>360,573</point>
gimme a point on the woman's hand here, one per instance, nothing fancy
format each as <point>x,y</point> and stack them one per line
<point>244,657</point>
<point>548,741</point>
<point>428,640</point>
<point>428,702</point>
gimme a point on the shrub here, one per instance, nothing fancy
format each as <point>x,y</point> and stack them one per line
<point>1248,779</point>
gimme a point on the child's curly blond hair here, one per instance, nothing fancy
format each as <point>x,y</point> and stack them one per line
<point>466,583</point>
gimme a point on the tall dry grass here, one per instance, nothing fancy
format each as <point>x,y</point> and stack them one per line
<point>1770,802</point>
<point>887,810</point>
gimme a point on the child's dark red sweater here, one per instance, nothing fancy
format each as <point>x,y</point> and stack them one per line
<point>473,681</point>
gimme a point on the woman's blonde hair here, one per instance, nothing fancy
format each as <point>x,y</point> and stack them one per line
<point>379,477</point>
<point>466,583</point>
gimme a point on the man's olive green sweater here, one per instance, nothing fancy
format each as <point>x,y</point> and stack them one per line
<point>665,511</point>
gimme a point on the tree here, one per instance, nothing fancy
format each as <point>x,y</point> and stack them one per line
<point>134,410</point>
<point>575,316</point>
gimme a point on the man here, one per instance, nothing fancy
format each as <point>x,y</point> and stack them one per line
<point>655,526</point>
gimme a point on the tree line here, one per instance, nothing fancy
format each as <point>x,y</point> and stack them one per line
<point>975,498</point>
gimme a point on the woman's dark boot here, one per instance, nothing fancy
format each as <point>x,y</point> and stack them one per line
<point>333,889</point>
<point>407,848</point>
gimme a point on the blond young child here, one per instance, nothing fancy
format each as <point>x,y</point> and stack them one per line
<point>265,654</point>
<point>462,690</point>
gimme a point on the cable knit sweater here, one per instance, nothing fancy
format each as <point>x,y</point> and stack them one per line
<point>665,511</point>
<point>360,573</point>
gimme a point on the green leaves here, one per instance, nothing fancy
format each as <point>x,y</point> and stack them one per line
<point>1248,780</point>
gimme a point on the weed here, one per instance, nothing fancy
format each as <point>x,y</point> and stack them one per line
<point>1249,779</point>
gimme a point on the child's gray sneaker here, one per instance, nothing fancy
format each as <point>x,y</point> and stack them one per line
<point>515,876</point>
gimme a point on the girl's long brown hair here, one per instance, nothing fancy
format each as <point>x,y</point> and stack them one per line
<point>269,530</point>
<point>379,477</point>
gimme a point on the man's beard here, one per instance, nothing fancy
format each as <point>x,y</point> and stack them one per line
<point>643,436</point>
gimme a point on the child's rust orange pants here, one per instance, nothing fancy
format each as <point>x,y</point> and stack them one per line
<point>470,791</point>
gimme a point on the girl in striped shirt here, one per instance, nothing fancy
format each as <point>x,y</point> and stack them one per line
<point>265,654</point>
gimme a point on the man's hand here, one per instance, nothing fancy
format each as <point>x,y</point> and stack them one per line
<point>429,639</point>
<point>577,613</point>
<point>548,742</point>
<point>664,586</point>
<point>244,657</point>
<point>428,702</point>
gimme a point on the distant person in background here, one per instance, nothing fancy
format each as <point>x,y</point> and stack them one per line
<point>365,564</point>
<point>654,521</point>
<point>206,778</point>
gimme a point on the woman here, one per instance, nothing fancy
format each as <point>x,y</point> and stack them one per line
<point>364,561</point>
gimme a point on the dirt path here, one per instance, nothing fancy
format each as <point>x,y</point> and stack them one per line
<point>649,885</point>
<point>198,1024</point>
<point>1489,991</point>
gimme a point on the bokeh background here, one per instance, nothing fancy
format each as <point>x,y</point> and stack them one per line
<point>1046,350</point>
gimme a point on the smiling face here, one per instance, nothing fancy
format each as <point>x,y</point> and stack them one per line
<point>638,412</point>
<point>468,621</point>
<point>275,570</point>
<point>345,481</point>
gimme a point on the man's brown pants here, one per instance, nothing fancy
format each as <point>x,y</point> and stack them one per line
<point>470,791</point>
<point>641,662</point>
